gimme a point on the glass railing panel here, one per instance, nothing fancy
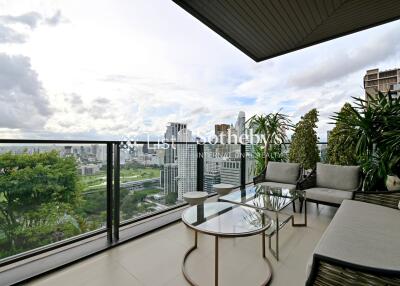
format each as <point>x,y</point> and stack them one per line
<point>49,193</point>
<point>221,165</point>
<point>154,177</point>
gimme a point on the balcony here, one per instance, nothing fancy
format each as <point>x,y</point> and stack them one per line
<point>123,191</point>
<point>135,263</point>
<point>112,212</point>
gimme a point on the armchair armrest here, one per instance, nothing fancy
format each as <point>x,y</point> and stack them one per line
<point>308,182</point>
<point>386,198</point>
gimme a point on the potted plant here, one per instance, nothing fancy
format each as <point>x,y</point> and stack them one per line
<point>375,123</point>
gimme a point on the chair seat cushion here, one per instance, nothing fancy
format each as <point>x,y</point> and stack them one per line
<point>363,234</point>
<point>328,195</point>
<point>290,187</point>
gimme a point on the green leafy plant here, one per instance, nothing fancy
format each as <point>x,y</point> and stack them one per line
<point>275,154</point>
<point>375,123</point>
<point>303,148</point>
<point>272,128</point>
<point>342,141</point>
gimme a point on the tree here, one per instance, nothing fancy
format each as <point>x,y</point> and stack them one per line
<point>342,141</point>
<point>303,148</point>
<point>38,196</point>
<point>272,127</point>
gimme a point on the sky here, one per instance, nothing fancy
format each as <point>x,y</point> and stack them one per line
<point>114,69</point>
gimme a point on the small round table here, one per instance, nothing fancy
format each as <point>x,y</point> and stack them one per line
<point>195,198</point>
<point>223,189</point>
<point>222,219</point>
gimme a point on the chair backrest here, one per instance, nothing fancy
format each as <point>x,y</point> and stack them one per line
<point>346,178</point>
<point>281,172</point>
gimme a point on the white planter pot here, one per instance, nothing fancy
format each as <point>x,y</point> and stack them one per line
<point>393,183</point>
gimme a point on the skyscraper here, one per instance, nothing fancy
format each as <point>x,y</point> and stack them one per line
<point>170,168</point>
<point>240,123</point>
<point>169,181</point>
<point>187,163</point>
<point>172,135</point>
<point>230,171</point>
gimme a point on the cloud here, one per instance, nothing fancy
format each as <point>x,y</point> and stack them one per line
<point>30,19</point>
<point>56,19</point>
<point>24,104</point>
<point>8,35</point>
<point>344,62</point>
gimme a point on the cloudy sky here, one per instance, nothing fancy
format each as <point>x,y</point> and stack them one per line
<point>108,69</point>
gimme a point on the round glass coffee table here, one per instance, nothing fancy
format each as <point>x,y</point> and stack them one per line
<point>223,219</point>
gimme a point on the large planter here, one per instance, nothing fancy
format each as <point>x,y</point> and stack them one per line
<point>393,183</point>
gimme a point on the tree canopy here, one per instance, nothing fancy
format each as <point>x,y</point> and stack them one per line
<point>303,148</point>
<point>342,141</point>
<point>38,196</point>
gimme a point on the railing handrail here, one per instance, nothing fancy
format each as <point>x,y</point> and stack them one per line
<point>71,141</point>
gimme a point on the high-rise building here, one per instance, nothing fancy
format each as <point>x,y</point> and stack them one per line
<point>212,174</point>
<point>230,171</point>
<point>170,169</point>
<point>172,135</point>
<point>187,163</point>
<point>169,181</point>
<point>384,81</point>
<point>240,123</point>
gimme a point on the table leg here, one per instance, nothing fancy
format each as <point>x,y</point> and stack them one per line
<point>277,237</point>
<point>216,260</point>
<point>305,216</point>
<point>263,243</point>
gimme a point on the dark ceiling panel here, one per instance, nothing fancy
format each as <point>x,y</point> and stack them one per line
<point>263,29</point>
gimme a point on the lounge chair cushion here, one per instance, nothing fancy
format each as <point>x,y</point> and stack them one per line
<point>290,187</point>
<point>328,195</point>
<point>364,234</point>
<point>282,172</point>
<point>344,178</point>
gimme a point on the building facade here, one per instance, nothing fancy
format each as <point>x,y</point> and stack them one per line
<point>230,172</point>
<point>384,81</point>
<point>187,164</point>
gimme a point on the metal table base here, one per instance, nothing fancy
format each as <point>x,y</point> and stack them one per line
<point>216,255</point>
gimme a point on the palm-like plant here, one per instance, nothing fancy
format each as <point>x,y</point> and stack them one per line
<point>375,123</point>
<point>272,128</point>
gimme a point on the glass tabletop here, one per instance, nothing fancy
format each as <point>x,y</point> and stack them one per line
<point>226,219</point>
<point>263,197</point>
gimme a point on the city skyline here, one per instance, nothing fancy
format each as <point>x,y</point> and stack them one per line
<point>59,65</point>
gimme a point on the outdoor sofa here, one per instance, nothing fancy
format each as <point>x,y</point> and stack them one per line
<point>361,245</point>
<point>331,184</point>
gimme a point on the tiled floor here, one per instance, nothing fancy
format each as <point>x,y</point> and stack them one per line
<point>156,259</point>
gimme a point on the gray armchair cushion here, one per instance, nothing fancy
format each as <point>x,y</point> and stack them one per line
<point>328,195</point>
<point>344,178</point>
<point>282,172</point>
<point>290,187</point>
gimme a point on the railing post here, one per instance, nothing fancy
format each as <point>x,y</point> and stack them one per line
<point>109,192</point>
<point>242,166</point>
<point>200,167</point>
<point>117,169</point>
